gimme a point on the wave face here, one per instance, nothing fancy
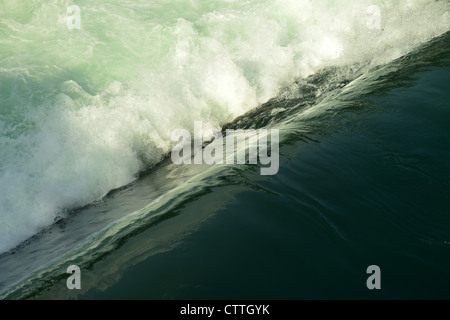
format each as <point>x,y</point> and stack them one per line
<point>84,111</point>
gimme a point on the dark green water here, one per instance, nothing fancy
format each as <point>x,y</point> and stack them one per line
<point>370,187</point>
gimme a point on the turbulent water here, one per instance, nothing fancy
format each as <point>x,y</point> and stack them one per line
<point>85,111</point>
